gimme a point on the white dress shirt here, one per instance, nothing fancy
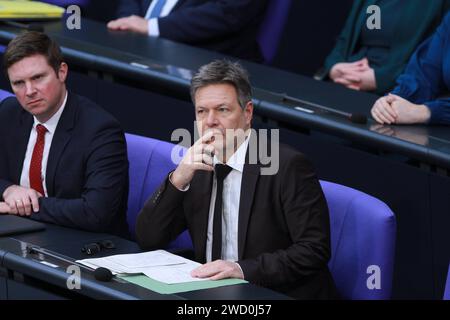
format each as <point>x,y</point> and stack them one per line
<point>50,125</point>
<point>153,26</point>
<point>231,199</point>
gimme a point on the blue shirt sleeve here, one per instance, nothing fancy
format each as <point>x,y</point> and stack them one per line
<point>440,111</point>
<point>423,80</point>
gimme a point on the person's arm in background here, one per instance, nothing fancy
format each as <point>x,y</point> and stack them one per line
<point>105,175</point>
<point>4,170</point>
<point>126,8</point>
<point>342,42</point>
<point>422,83</point>
<point>212,19</point>
<point>406,41</point>
<point>386,76</point>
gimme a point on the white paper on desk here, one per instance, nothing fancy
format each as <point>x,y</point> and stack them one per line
<point>173,274</point>
<point>147,259</point>
<point>105,263</point>
<point>129,263</point>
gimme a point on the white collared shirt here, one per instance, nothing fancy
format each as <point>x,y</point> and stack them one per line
<point>231,200</point>
<point>153,26</point>
<point>50,125</point>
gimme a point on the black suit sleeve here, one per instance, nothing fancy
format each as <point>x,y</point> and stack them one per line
<point>210,20</point>
<point>127,8</point>
<point>162,218</point>
<point>4,184</point>
<point>105,181</point>
<point>338,54</point>
<point>4,167</point>
<point>306,214</point>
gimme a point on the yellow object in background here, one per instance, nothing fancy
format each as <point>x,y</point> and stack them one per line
<point>22,9</point>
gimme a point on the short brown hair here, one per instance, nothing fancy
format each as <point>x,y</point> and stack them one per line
<point>31,43</point>
<point>224,71</point>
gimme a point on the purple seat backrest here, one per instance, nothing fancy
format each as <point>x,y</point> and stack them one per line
<point>447,286</point>
<point>272,28</point>
<point>150,161</point>
<point>363,233</point>
<point>5,94</point>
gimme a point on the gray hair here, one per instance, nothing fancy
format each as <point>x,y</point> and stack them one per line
<point>220,72</point>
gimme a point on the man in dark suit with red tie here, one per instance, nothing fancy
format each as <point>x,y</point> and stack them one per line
<point>229,26</point>
<point>63,159</point>
<point>248,220</point>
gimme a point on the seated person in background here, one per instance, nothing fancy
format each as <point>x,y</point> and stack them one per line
<point>229,26</point>
<point>272,229</point>
<point>371,60</point>
<point>63,159</point>
<point>422,94</point>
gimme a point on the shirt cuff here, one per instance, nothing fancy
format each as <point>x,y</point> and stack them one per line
<point>153,27</point>
<point>182,190</point>
<point>243,275</point>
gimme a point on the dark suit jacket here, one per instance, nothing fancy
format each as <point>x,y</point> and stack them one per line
<point>87,168</point>
<point>425,16</point>
<point>230,26</point>
<point>283,233</point>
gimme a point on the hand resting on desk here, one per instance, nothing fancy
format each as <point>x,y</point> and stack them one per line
<point>217,270</point>
<point>20,200</point>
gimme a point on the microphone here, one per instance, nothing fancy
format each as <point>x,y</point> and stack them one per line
<point>103,274</point>
<point>357,118</point>
<point>29,27</point>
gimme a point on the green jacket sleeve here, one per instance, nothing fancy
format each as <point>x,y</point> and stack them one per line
<point>339,52</point>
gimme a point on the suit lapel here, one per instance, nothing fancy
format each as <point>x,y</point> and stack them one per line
<point>62,137</point>
<point>145,5</point>
<point>178,5</point>
<point>249,180</point>
<point>20,144</point>
<point>250,176</point>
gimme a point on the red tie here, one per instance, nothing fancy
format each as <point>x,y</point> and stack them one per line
<point>36,160</point>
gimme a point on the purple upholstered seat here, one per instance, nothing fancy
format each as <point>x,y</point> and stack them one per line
<point>272,28</point>
<point>363,233</point>
<point>150,161</point>
<point>447,286</point>
<point>5,94</point>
